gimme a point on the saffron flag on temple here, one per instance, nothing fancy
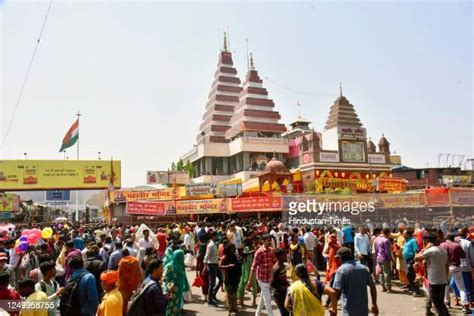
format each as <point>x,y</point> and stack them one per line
<point>71,136</point>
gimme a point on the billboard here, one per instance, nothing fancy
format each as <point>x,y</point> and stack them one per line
<point>329,156</point>
<point>197,189</point>
<point>58,196</point>
<point>37,175</point>
<point>167,177</point>
<point>9,202</point>
<point>352,151</point>
<point>376,158</point>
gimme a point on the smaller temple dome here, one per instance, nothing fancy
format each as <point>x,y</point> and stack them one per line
<point>276,166</point>
<point>371,146</point>
<point>383,141</point>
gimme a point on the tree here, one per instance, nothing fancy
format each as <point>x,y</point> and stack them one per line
<point>189,167</point>
<point>180,165</point>
<point>173,166</point>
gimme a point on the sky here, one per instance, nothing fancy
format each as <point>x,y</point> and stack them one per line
<point>140,73</point>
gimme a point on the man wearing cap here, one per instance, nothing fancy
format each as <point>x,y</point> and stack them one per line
<point>112,302</point>
<point>4,267</point>
<point>350,280</point>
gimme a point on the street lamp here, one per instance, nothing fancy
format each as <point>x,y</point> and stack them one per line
<point>99,155</point>
<point>26,156</point>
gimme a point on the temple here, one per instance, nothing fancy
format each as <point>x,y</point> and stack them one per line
<point>341,154</point>
<point>241,133</point>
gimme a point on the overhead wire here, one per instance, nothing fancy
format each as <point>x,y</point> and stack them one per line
<point>25,80</point>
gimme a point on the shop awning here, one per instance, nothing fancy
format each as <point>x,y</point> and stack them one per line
<point>231,181</point>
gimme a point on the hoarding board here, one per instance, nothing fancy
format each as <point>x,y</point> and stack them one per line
<point>38,175</point>
<point>167,177</point>
<point>197,189</point>
<point>9,202</point>
<point>58,196</point>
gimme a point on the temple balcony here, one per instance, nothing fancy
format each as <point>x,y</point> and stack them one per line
<point>258,144</point>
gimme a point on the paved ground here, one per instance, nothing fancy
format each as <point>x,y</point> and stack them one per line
<point>394,304</point>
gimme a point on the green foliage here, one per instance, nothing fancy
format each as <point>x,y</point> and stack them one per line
<point>180,165</point>
<point>189,167</point>
<point>329,191</point>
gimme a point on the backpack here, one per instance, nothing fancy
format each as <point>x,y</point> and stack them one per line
<point>43,286</point>
<point>69,303</point>
<point>137,304</point>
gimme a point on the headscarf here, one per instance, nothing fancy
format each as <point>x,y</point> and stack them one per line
<point>110,277</point>
<point>168,257</point>
<point>178,260</point>
<point>177,265</point>
<point>129,274</point>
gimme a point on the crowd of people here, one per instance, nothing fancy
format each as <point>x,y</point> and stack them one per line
<point>110,270</point>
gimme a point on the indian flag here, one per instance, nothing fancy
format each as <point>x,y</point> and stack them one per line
<point>71,136</point>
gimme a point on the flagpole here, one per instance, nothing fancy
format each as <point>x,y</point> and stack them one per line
<point>77,191</point>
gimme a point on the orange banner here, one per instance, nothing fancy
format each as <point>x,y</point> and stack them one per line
<point>201,206</point>
<point>391,185</point>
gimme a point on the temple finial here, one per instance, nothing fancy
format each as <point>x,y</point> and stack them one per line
<point>298,105</point>
<point>252,66</point>
<point>225,42</point>
<point>340,89</point>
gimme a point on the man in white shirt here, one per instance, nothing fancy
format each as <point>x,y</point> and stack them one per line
<point>234,235</point>
<point>362,246</point>
<point>275,237</point>
<point>146,241</point>
<point>438,267</point>
<point>310,244</point>
<point>188,241</point>
<point>49,286</point>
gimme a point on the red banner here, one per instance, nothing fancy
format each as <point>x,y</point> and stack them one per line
<point>258,203</point>
<point>437,196</point>
<point>148,207</point>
